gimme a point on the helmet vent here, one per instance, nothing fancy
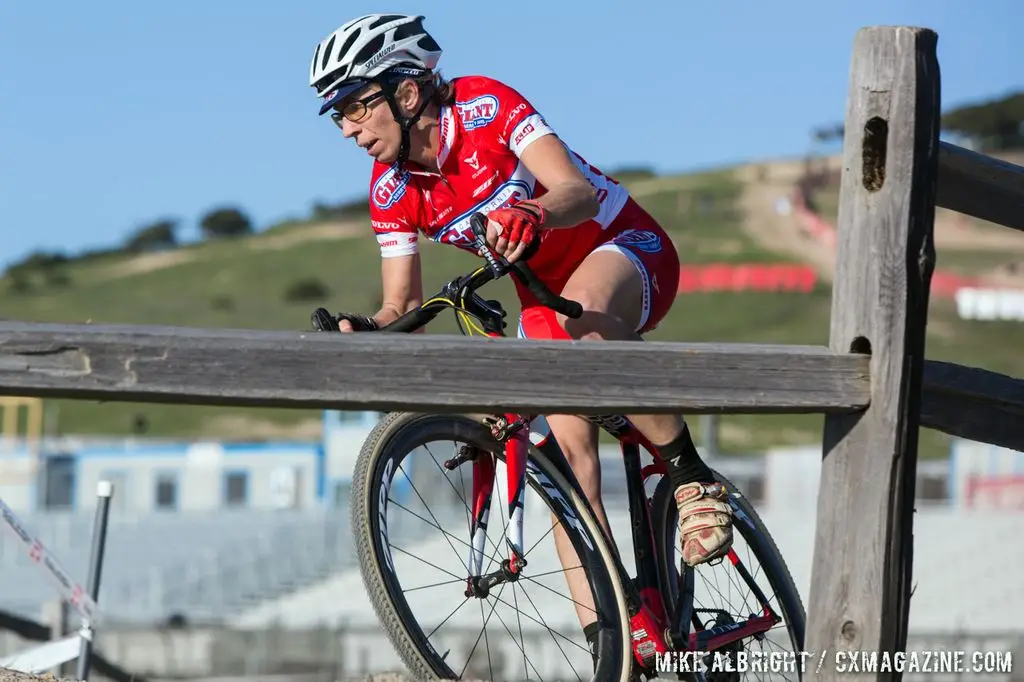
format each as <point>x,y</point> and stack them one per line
<point>326,57</point>
<point>408,30</point>
<point>429,44</point>
<point>368,50</point>
<point>385,19</point>
<point>348,45</point>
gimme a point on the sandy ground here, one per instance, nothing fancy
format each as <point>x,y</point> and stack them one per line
<point>147,262</point>
<point>953,231</point>
<point>322,232</point>
<point>780,232</point>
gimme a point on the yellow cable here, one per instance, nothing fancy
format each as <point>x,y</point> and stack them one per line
<point>460,309</point>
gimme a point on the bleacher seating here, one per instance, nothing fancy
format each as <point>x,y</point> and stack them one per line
<point>200,566</point>
<point>256,566</point>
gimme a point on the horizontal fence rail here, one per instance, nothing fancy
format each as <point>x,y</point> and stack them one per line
<point>292,369</point>
<point>973,403</point>
<point>435,372</point>
<point>980,186</point>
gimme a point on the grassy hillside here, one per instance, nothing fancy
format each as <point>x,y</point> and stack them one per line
<point>244,283</point>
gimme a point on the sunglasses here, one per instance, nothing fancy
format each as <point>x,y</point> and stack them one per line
<point>355,110</point>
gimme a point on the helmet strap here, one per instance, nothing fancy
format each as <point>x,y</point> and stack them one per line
<point>404,122</point>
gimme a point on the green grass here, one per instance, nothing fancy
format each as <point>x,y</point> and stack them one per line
<point>231,284</point>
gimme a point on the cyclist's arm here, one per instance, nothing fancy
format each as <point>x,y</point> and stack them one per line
<point>570,199</point>
<point>402,287</point>
<point>393,227</point>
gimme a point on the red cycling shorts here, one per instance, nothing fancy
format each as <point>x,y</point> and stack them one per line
<point>637,236</point>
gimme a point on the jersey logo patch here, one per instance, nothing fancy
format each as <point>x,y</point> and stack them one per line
<point>641,240</point>
<point>459,231</point>
<point>477,112</point>
<point>390,187</point>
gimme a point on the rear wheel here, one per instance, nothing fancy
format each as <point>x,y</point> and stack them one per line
<point>722,593</point>
<point>389,478</point>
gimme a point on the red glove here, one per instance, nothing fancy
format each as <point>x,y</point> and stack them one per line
<point>511,230</point>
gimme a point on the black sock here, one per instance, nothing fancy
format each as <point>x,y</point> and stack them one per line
<point>590,632</point>
<point>684,463</point>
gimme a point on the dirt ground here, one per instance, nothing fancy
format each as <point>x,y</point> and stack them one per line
<point>766,184</point>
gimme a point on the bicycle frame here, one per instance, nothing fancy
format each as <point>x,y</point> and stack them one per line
<point>656,626</point>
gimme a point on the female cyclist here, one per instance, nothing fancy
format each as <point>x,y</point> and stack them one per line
<point>443,150</point>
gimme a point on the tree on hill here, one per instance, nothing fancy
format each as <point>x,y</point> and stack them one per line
<point>828,133</point>
<point>993,125</point>
<point>40,260</point>
<point>45,265</point>
<point>225,222</point>
<point>158,235</point>
<point>996,124</point>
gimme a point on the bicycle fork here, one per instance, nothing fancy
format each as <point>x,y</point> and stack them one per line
<point>513,431</point>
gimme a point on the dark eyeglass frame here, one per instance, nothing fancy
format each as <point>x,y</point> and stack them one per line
<point>355,110</point>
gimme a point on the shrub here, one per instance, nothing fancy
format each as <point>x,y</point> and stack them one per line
<point>302,290</point>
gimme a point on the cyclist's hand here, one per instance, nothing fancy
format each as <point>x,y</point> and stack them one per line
<point>342,322</point>
<point>511,230</point>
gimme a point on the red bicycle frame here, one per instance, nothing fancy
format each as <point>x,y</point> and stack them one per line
<point>656,626</point>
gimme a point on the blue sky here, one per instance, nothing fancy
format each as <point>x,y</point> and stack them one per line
<point>115,114</point>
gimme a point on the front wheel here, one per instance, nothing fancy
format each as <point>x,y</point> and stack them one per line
<point>391,478</point>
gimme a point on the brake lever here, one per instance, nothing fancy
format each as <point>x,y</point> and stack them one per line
<point>499,266</point>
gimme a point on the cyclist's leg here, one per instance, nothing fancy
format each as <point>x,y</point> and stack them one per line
<point>626,287</point>
<point>577,438</point>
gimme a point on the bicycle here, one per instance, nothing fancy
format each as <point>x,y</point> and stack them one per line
<point>650,614</point>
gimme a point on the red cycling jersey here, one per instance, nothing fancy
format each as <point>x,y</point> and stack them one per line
<point>481,139</point>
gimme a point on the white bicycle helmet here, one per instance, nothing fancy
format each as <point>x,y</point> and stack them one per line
<point>367,48</point>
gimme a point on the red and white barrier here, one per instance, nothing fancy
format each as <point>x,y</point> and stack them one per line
<point>760,277</point>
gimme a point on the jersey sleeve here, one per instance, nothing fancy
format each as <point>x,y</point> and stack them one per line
<point>396,233</point>
<point>522,124</point>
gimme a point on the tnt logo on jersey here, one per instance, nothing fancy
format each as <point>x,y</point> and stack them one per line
<point>478,112</point>
<point>460,231</point>
<point>390,187</point>
<point>641,240</point>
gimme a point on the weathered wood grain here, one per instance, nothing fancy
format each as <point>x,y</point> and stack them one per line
<point>973,403</point>
<point>980,186</point>
<point>860,585</point>
<point>421,372</point>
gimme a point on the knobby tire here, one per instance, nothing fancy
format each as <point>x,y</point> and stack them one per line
<point>396,436</point>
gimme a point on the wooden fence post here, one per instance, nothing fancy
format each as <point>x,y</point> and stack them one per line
<point>860,591</point>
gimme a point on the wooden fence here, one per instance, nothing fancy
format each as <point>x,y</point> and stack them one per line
<point>872,382</point>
